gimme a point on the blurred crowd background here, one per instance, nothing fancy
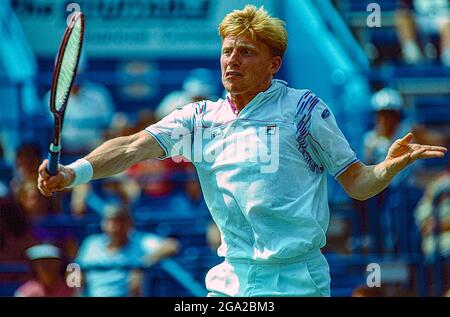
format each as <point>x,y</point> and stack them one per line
<point>147,231</point>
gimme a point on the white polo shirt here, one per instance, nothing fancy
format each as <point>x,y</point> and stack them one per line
<point>262,170</point>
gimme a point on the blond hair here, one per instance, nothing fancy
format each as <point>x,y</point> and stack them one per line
<point>258,25</point>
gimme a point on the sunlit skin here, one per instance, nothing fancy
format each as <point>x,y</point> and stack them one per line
<point>247,68</point>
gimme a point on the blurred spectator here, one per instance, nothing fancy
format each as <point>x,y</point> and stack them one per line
<point>433,216</point>
<point>28,156</point>
<point>111,260</point>
<point>32,202</point>
<point>24,183</point>
<point>15,234</point>
<point>48,274</point>
<point>36,209</point>
<point>390,126</point>
<point>36,206</point>
<point>388,104</point>
<point>120,126</point>
<point>201,84</point>
<point>427,18</point>
<point>88,115</point>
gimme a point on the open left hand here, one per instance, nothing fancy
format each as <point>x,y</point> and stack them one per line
<point>403,153</point>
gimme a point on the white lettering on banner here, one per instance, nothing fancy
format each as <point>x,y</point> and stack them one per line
<point>134,28</point>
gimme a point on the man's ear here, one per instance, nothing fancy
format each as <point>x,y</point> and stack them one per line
<point>276,64</point>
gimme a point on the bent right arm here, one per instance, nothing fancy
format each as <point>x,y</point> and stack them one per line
<point>110,158</point>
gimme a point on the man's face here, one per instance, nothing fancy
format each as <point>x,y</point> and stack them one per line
<point>247,65</point>
<point>117,227</point>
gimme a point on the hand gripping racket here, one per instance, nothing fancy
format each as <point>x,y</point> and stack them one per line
<point>63,77</point>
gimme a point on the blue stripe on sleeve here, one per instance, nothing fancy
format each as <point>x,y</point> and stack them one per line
<point>307,102</point>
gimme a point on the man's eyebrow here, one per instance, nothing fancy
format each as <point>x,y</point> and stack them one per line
<point>240,46</point>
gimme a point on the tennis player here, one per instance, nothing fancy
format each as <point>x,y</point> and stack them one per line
<point>262,155</point>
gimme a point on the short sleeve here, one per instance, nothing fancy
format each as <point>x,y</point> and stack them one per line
<point>320,140</point>
<point>175,131</point>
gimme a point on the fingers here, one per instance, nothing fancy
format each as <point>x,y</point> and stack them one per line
<point>406,139</point>
<point>431,148</point>
<point>424,153</point>
<point>434,148</point>
<point>42,170</point>
<point>417,154</point>
<point>48,184</point>
<point>43,176</point>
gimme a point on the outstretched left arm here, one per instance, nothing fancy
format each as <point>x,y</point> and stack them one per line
<point>362,182</point>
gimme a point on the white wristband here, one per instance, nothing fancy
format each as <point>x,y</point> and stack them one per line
<point>83,172</point>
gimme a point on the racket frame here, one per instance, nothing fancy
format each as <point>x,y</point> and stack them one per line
<point>55,146</point>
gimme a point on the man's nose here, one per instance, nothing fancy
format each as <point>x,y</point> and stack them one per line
<point>234,58</point>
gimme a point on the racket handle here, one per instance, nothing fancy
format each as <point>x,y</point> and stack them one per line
<point>53,160</point>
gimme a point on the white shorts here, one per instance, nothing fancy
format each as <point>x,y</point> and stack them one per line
<point>246,278</point>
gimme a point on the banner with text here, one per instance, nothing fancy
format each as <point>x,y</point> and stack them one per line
<point>132,28</point>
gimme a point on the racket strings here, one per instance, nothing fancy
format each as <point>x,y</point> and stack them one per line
<point>68,65</point>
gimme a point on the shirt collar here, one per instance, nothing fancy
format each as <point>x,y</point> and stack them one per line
<point>273,90</point>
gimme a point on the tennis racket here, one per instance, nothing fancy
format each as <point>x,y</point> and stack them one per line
<point>63,77</point>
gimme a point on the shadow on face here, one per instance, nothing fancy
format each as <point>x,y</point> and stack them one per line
<point>47,271</point>
<point>117,227</point>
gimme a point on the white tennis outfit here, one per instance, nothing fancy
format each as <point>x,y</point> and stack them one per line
<point>262,173</point>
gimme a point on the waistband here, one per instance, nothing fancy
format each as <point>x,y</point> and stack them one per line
<point>312,254</point>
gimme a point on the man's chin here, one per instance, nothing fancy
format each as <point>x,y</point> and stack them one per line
<point>233,89</point>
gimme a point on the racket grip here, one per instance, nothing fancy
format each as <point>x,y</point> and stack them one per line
<point>53,160</point>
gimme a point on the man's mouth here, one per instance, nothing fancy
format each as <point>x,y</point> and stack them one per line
<point>233,74</point>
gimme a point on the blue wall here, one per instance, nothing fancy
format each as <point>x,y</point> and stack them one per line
<point>316,60</point>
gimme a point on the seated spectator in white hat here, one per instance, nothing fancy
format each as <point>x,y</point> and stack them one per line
<point>48,274</point>
<point>388,104</point>
<point>390,125</point>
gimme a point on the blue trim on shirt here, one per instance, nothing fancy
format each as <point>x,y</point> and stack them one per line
<point>308,99</point>
<point>160,143</point>
<point>345,167</point>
